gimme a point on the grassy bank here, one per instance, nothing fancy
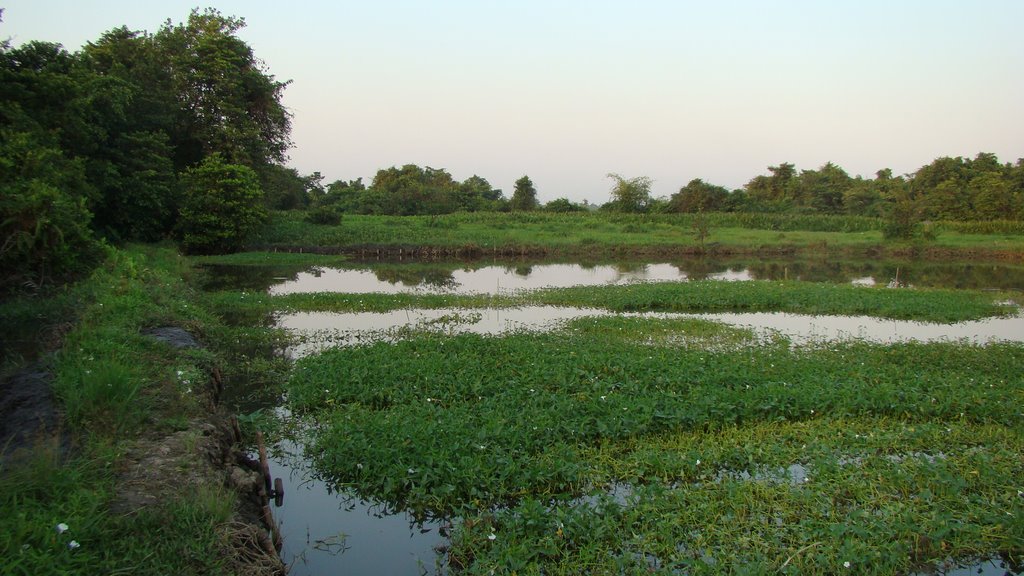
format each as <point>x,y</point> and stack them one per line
<point>117,389</point>
<point>626,445</point>
<point>593,233</point>
<point>937,305</point>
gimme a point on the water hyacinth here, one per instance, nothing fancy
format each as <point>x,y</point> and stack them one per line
<point>570,443</point>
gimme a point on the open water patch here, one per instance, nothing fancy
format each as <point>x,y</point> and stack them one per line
<point>506,277</point>
<point>320,330</point>
<point>326,531</point>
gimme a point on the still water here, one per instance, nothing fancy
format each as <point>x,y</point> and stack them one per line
<point>326,329</point>
<point>497,277</point>
<point>330,531</point>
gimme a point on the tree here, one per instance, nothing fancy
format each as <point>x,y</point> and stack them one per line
<point>228,103</point>
<point>698,196</point>
<point>285,189</point>
<point>44,228</point>
<point>773,192</point>
<point>630,195</point>
<point>904,213</point>
<point>525,195</point>
<point>476,193</point>
<point>562,205</point>
<point>346,196</point>
<point>411,190</point>
<point>822,190</point>
<point>223,205</point>
<point>991,197</point>
<point>872,197</point>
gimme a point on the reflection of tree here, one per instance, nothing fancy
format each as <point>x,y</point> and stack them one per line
<point>701,268</point>
<point>632,268</point>
<point>925,274</point>
<point>523,271</point>
<point>413,276</point>
<point>256,278</point>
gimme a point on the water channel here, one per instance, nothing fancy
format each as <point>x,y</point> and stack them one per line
<point>328,532</point>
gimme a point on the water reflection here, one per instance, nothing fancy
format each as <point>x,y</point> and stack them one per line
<point>327,329</point>
<point>323,530</point>
<point>506,277</point>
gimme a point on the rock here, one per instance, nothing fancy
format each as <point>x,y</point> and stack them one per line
<point>176,337</point>
<point>28,412</point>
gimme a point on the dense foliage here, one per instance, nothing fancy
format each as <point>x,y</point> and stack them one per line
<point>948,189</point>
<point>413,190</point>
<point>222,205</point>
<point>93,144</point>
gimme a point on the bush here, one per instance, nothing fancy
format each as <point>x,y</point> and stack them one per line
<point>327,215</point>
<point>44,221</point>
<point>222,206</point>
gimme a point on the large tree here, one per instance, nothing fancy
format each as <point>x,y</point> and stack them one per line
<point>228,102</point>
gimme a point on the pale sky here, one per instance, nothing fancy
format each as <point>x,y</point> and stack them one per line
<point>567,91</point>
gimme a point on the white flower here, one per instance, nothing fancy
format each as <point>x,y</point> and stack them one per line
<point>73,544</point>
<point>411,470</point>
<point>698,462</point>
<point>359,466</point>
<point>491,536</point>
<point>846,564</point>
<point>62,528</point>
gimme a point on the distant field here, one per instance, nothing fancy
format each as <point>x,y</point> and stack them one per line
<point>588,233</point>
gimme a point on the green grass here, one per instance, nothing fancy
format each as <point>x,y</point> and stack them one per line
<point>115,385</point>
<point>590,233</point>
<point>271,259</point>
<point>937,305</point>
<point>182,536</point>
<point>912,449</point>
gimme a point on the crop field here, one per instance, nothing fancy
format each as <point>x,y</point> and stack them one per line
<point>632,444</point>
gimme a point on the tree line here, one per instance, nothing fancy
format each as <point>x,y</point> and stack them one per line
<point>181,133</point>
<point>947,189</point>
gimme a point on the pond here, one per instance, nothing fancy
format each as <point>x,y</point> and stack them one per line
<point>505,276</point>
<point>332,329</point>
<point>328,530</point>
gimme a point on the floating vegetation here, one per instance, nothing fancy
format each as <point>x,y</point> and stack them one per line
<point>679,446</point>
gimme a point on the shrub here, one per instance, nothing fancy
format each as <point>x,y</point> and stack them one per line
<point>44,221</point>
<point>222,206</point>
<point>329,215</point>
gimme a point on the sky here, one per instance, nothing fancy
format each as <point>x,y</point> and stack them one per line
<point>567,91</point>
